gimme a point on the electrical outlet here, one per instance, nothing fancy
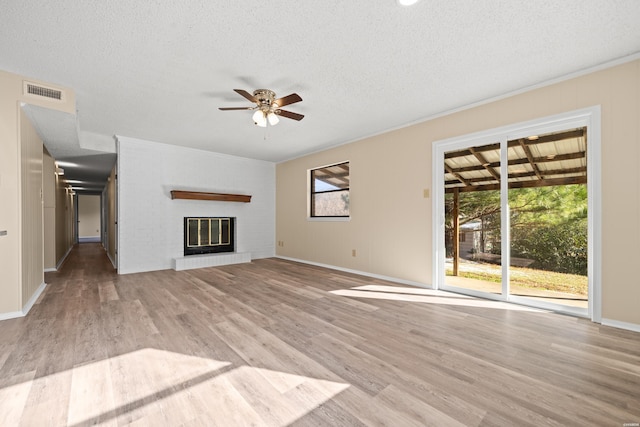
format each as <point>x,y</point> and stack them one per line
<point>353,252</point>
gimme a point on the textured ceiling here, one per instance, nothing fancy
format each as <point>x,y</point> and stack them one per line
<point>158,70</point>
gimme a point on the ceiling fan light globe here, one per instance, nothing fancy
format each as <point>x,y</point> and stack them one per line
<point>259,118</point>
<point>273,119</point>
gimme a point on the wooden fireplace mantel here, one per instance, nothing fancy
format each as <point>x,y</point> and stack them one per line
<point>220,197</point>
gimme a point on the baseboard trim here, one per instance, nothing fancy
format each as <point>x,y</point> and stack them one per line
<point>621,325</point>
<point>89,239</point>
<point>361,273</point>
<point>50,270</point>
<point>64,258</point>
<point>11,315</point>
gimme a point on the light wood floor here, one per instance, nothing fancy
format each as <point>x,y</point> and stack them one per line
<point>277,343</point>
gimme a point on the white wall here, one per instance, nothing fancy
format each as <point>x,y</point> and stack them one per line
<point>150,224</point>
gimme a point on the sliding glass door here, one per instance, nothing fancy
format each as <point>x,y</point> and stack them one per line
<point>514,218</point>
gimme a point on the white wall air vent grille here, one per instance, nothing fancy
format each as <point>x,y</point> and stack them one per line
<point>43,91</point>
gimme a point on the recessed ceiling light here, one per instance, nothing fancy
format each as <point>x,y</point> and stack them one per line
<point>407,2</point>
<point>66,164</point>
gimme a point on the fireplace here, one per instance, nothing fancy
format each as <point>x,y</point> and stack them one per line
<point>204,235</point>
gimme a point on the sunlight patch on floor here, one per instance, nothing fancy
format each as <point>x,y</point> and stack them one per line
<point>428,296</point>
<point>13,397</point>
<point>157,387</point>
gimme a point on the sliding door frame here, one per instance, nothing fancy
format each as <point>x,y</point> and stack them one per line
<point>587,117</point>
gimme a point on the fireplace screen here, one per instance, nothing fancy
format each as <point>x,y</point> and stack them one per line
<point>208,235</point>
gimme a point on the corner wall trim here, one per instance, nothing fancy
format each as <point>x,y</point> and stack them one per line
<point>621,325</point>
<point>33,299</point>
<point>361,273</point>
<point>27,307</point>
<point>113,262</point>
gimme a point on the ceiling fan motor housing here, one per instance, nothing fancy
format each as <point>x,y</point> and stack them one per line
<point>265,98</point>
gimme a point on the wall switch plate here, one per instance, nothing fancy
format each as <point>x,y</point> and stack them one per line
<point>426,193</point>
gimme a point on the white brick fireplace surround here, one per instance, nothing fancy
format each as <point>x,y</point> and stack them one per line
<point>150,223</point>
<point>210,260</point>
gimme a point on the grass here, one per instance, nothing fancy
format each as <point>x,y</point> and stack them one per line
<point>527,278</point>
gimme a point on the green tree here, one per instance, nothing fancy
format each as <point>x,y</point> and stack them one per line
<point>548,224</point>
<point>477,206</point>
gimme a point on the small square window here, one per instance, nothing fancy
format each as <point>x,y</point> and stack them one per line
<point>330,191</point>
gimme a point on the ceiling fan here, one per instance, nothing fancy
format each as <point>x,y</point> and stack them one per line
<point>267,108</point>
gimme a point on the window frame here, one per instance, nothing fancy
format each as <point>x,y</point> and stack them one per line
<point>311,192</point>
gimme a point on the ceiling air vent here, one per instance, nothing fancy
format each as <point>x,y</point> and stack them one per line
<point>43,91</point>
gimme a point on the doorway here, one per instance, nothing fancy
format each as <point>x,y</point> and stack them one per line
<point>89,218</point>
<point>517,214</point>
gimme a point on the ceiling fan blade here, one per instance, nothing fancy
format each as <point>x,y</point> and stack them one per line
<point>289,99</point>
<point>246,95</point>
<point>234,108</point>
<point>289,115</point>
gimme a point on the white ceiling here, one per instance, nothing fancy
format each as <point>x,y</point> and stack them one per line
<point>159,70</point>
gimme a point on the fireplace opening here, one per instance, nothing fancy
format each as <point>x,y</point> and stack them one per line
<point>203,235</point>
